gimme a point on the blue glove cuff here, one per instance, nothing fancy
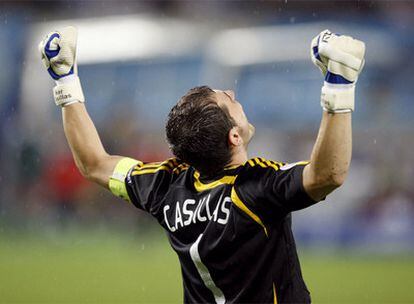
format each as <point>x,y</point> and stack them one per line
<point>336,79</point>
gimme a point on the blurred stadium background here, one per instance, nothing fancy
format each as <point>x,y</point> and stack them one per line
<point>63,239</point>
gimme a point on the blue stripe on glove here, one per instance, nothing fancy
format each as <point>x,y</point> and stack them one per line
<point>336,79</point>
<point>316,53</point>
<point>53,53</point>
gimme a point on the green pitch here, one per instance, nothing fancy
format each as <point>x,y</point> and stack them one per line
<point>100,268</point>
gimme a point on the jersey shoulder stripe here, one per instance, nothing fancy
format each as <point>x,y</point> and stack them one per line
<point>264,163</point>
<point>230,179</point>
<point>171,165</point>
<point>238,202</point>
<point>291,165</point>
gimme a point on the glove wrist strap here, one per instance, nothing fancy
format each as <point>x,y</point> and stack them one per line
<point>68,91</point>
<point>338,98</point>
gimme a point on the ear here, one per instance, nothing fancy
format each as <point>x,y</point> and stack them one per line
<point>234,137</point>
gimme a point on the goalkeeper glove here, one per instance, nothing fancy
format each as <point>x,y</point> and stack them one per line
<point>340,59</point>
<point>58,52</point>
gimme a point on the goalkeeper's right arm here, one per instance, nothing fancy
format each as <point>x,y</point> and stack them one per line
<point>88,152</point>
<point>58,51</point>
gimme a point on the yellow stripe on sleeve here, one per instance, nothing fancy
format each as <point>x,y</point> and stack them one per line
<point>237,201</point>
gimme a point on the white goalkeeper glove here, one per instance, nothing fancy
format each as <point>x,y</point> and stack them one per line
<point>58,52</point>
<point>340,59</point>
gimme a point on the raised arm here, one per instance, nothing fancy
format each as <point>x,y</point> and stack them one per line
<point>88,152</point>
<point>340,59</point>
<point>331,156</point>
<point>58,51</point>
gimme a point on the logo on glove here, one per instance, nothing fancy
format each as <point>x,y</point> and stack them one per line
<point>326,36</point>
<point>61,96</point>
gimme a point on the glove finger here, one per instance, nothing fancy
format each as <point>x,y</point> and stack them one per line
<point>358,49</point>
<point>318,60</point>
<point>343,49</point>
<point>45,62</point>
<point>323,37</point>
<point>62,69</point>
<point>322,67</point>
<point>66,61</point>
<point>43,57</point>
<point>362,66</point>
<point>49,48</point>
<point>315,48</point>
<point>340,56</point>
<point>341,74</point>
<point>41,47</point>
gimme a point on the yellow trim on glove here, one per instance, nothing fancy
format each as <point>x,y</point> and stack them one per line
<point>117,180</point>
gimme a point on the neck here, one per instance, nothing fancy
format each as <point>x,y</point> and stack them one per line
<point>239,157</point>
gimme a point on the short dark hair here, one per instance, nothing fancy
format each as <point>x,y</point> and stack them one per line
<point>197,131</point>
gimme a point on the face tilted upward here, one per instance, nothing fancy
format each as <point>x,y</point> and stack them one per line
<point>227,99</point>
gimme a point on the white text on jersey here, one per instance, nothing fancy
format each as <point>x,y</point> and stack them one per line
<point>190,212</point>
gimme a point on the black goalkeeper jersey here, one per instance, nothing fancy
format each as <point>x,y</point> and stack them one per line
<point>232,234</point>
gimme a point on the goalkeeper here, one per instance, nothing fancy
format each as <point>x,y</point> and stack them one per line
<point>227,217</point>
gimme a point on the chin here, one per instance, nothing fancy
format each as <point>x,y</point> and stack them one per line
<point>252,130</point>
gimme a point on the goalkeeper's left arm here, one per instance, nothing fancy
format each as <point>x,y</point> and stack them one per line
<point>58,51</point>
<point>340,59</point>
